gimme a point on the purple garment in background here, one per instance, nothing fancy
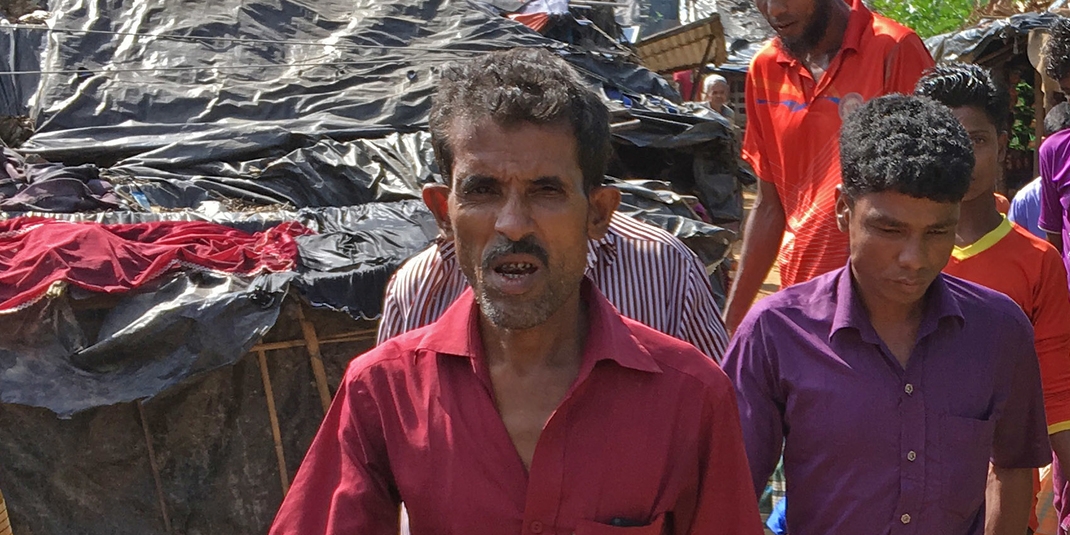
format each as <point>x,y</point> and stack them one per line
<point>52,187</point>
<point>1025,208</point>
<point>1054,206</point>
<point>870,447</point>
<point>1055,188</point>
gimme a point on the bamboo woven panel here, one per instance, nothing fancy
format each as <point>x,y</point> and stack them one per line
<point>1006,8</point>
<point>5,524</point>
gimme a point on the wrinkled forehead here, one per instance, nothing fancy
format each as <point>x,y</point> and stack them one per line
<point>520,151</point>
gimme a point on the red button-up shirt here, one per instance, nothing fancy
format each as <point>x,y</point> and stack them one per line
<point>647,435</point>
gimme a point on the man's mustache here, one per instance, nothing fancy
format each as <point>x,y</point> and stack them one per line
<point>526,245</point>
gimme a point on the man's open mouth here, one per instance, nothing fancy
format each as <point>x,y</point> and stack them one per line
<point>515,270</point>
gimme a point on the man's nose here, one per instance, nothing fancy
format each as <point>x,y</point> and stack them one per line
<point>912,255</point>
<point>773,9</point>
<point>514,220</point>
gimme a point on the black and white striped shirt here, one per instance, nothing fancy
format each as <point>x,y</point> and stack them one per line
<point>647,273</point>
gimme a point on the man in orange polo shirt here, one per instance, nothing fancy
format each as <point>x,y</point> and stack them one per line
<point>993,252</point>
<point>827,59</point>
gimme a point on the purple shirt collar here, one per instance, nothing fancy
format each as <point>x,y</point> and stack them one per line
<point>849,312</point>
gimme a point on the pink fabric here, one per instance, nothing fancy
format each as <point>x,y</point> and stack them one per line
<point>37,252</point>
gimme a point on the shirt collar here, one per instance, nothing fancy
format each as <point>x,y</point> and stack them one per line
<point>985,243</point>
<point>608,337</point>
<point>857,22</point>
<point>850,313</point>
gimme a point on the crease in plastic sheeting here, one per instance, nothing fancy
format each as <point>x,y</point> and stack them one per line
<point>151,341</point>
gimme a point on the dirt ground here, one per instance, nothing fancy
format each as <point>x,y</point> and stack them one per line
<point>772,282</point>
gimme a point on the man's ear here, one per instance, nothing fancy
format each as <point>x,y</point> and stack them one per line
<point>602,202</point>
<point>1003,138</point>
<point>843,209</point>
<point>437,199</point>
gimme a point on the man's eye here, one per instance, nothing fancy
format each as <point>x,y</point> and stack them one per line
<point>479,190</point>
<point>940,232</point>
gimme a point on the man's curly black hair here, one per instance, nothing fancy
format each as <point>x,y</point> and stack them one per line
<point>521,85</point>
<point>1057,49</point>
<point>907,144</point>
<point>958,85</point>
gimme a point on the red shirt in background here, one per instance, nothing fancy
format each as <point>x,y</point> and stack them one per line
<point>648,435</point>
<point>683,79</point>
<point>1030,271</point>
<point>793,128</point>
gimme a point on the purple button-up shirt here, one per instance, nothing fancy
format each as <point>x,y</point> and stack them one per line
<point>871,447</point>
<point>1055,189</point>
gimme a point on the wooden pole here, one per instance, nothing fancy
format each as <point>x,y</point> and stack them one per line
<point>696,75</point>
<point>315,358</point>
<point>5,522</point>
<point>155,468</point>
<point>276,433</point>
<point>1039,111</point>
<point>339,339</point>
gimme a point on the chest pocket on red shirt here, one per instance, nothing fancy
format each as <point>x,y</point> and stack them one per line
<point>655,527</point>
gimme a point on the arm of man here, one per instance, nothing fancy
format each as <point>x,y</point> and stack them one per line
<point>1008,500</point>
<point>1051,328</point>
<point>700,323</point>
<point>1020,443</point>
<point>1056,240</point>
<point>748,364</point>
<point>392,322</point>
<point>904,65</point>
<point>1051,206</point>
<point>761,241</point>
<point>344,484</point>
<point>725,505</point>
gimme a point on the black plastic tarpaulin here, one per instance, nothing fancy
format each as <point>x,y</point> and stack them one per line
<point>970,44</point>
<point>270,103</point>
<point>190,324</point>
<point>314,69</point>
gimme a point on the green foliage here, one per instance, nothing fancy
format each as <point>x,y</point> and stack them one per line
<point>1023,132</point>
<point>927,17</point>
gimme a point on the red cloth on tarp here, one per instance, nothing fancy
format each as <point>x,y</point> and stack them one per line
<point>535,21</point>
<point>37,252</point>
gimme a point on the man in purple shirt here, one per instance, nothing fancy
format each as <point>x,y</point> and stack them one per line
<point>890,386</point>
<point>1055,191</point>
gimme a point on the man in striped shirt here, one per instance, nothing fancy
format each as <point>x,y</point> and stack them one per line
<point>647,273</point>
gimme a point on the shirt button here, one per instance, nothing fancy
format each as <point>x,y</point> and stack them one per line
<point>909,389</point>
<point>911,455</point>
<point>536,527</point>
<point>905,519</point>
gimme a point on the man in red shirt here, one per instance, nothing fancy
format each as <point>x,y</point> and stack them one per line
<point>827,59</point>
<point>531,405</point>
<point>993,252</point>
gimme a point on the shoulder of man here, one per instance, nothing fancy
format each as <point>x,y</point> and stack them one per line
<point>767,55</point>
<point>1036,248</point>
<point>423,262</point>
<point>885,26</point>
<point>987,308</point>
<point>1055,144</point>
<point>635,232</point>
<point>394,357</point>
<point>678,357</point>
